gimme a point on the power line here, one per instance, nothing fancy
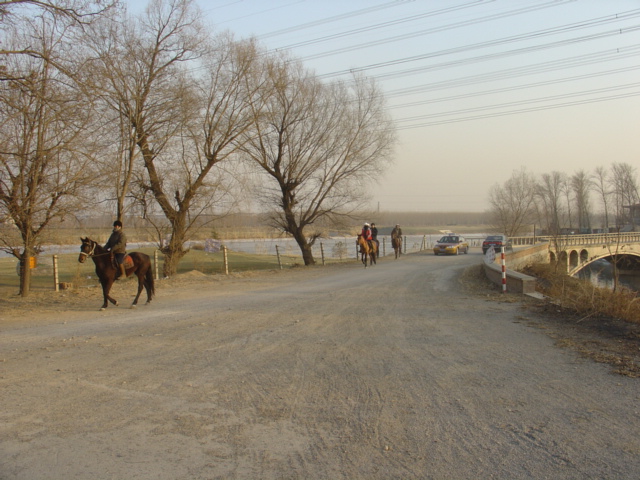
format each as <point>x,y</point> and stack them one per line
<point>516,87</point>
<point>334,18</point>
<point>492,43</point>
<point>434,29</point>
<point>524,110</point>
<point>537,68</point>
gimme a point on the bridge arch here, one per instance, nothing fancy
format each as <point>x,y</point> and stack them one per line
<point>572,270</point>
<point>574,259</point>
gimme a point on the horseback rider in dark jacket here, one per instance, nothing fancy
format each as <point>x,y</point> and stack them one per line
<point>374,235</point>
<point>117,245</point>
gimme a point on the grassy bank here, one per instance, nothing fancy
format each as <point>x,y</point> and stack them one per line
<point>585,298</point>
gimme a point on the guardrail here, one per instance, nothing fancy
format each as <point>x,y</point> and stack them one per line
<point>586,239</point>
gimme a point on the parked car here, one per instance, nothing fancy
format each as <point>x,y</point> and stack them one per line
<point>451,245</point>
<point>496,241</point>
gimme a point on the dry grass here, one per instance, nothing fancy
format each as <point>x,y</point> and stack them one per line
<point>585,298</point>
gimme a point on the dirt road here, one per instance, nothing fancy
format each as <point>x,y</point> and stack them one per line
<point>337,372</point>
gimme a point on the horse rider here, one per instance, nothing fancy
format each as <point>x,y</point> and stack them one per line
<point>366,234</point>
<point>374,235</point>
<point>396,232</point>
<point>117,246</point>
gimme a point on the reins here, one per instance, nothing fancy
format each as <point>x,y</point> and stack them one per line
<point>91,253</point>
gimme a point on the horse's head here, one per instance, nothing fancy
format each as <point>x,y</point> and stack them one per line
<point>86,249</point>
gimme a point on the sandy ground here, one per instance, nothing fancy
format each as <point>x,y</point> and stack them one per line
<point>410,369</point>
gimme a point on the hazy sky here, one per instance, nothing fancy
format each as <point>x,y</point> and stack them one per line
<point>477,89</point>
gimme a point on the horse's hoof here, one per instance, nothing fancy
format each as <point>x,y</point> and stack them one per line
<point>133,306</point>
<point>116,304</point>
<point>102,309</point>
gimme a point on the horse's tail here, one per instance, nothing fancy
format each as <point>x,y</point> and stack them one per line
<point>148,278</point>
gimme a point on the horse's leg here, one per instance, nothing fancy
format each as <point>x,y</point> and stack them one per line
<point>140,286</point>
<point>105,295</point>
<point>149,284</point>
<point>106,288</point>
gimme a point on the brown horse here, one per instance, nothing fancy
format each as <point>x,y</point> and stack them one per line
<point>396,243</point>
<point>366,251</point>
<point>106,271</point>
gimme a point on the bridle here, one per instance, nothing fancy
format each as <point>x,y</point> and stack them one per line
<point>90,254</point>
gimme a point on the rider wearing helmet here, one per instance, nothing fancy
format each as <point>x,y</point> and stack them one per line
<point>366,234</point>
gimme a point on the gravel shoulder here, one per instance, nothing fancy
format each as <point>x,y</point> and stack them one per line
<point>413,368</point>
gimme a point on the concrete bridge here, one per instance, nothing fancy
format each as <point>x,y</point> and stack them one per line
<point>577,251</point>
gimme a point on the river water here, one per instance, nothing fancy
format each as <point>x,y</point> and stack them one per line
<point>600,273</point>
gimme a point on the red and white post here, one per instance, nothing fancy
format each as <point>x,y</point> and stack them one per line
<point>504,271</point>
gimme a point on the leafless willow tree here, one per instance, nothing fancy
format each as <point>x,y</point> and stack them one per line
<point>318,146</point>
<point>549,197</point>
<point>513,203</point>
<point>185,96</point>
<point>45,135</point>
<point>624,189</point>
<point>581,186</point>
<point>601,187</point>
<point>77,13</point>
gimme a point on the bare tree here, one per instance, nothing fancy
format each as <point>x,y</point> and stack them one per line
<point>549,193</point>
<point>581,186</point>
<point>551,208</point>
<point>601,186</point>
<point>624,188</point>
<point>319,145</point>
<point>565,187</point>
<point>79,11</point>
<point>14,13</point>
<point>513,204</point>
<point>45,148</point>
<point>185,96</point>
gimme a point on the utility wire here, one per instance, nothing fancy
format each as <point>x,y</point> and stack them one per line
<point>538,68</point>
<point>492,43</point>
<point>516,87</point>
<point>334,18</point>
<point>442,28</point>
<point>524,110</point>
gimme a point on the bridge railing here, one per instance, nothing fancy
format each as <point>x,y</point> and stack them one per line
<point>587,239</point>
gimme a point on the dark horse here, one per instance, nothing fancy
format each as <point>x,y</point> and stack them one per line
<point>106,271</point>
<point>396,242</point>
<point>366,251</point>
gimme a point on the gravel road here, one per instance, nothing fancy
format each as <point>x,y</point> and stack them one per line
<point>394,372</point>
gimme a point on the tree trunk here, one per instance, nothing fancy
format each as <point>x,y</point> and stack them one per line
<point>25,272</point>
<point>171,260</point>
<point>174,252</point>
<point>305,247</point>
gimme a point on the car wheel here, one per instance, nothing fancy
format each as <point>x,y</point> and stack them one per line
<point>466,250</point>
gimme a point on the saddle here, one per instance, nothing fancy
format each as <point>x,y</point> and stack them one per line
<point>128,261</point>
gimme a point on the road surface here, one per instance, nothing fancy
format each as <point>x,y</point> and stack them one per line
<point>396,371</point>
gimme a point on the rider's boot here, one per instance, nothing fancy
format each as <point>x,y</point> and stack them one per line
<point>123,272</point>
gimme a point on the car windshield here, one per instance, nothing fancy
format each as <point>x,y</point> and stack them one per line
<point>494,238</point>
<point>449,240</point>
